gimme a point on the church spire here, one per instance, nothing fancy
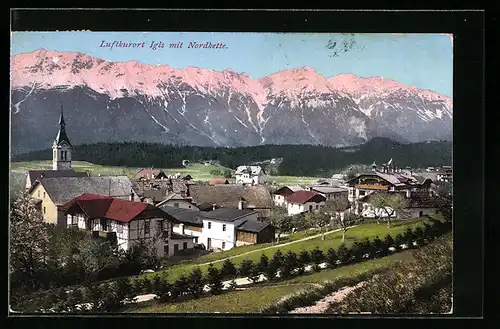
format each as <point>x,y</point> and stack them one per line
<point>61,135</point>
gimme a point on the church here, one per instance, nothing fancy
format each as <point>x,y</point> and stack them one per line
<point>53,188</point>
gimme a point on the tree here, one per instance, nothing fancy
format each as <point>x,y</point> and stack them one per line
<point>317,257</point>
<point>274,265</point>
<point>319,219</point>
<point>214,280</point>
<point>299,222</point>
<point>343,253</point>
<point>280,220</point>
<point>245,267</point>
<point>195,283</point>
<point>331,257</point>
<point>179,287</point>
<point>345,222</point>
<point>389,241</point>
<point>228,269</point>
<point>263,263</point>
<point>227,173</point>
<point>254,275</point>
<point>390,205</point>
<point>29,241</point>
<point>444,191</point>
<point>409,236</point>
<point>304,260</point>
<point>379,247</point>
<point>95,255</point>
<point>290,263</point>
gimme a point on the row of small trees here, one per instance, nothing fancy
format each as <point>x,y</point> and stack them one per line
<point>112,296</point>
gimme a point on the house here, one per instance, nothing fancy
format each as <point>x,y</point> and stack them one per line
<point>280,194</point>
<point>61,158</point>
<point>445,174</point>
<point>175,200</point>
<point>171,185</point>
<point>256,198</point>
<point>304,201</point>
<point>250,175</point>
<point>56,191</point>
<point>225,228</point>
<point>418,206</point>
<point>150,173</point>
<point>154,196</point>
<point>218,181</point>
<point>330,192</point>
<point>188,221</point>
<point>389,179</point>
<point>126,222</point>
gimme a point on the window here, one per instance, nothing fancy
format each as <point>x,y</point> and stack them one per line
<point>44,210</point>
<point>119,228</point>
<point>166,250</point>
<point>317,207</point>
<point>146,227</point>
<point>176,204</point>
<point>361,193</point>
<point>209,225</point>
<point>74,220</point>
<point>223,227</point>
<point>185,245</point>
<point>44,195</point>
<point>196,240</point>
<point>104,224</point>
<point>310,207</point>
<point>176,248</point>
<point>223,245</point>
<point>38,193</point>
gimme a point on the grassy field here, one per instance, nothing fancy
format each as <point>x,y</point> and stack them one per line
<point>253,299</point>
<point>332,240</point>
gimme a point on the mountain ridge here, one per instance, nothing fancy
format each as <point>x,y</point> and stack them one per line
<point>197,106</point>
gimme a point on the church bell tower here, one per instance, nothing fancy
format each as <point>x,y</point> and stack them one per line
<point>61,148</point>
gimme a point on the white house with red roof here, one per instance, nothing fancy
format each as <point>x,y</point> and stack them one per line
<point>128,221</point>
<point>304,201</point>
<point>279,196</point>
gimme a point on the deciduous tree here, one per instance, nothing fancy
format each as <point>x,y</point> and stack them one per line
<point>390,204</point>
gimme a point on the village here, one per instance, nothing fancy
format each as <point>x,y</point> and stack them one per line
<point>175,214</point>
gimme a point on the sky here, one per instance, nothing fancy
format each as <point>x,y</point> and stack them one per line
<point>421,60</point>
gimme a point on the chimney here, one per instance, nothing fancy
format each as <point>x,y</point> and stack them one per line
<point>214,206</point>
<point>131,195</point>
<point>241,204</point>
<point>182,228</point>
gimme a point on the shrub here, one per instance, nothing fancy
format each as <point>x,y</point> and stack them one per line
<point>290,263</point>
<point>409,237</point>
<point>93,294</point>
<point>304,258</point>
<point>146,285</point>
<point>232,285</point>
<point>110,300</point>
<point>214,280</point>
<point>343,254</point>
<point>399,240</point>
<point>195,283</point>
<point>156,282</point>
<point>317,257</point>
<point>179,287</point>
<point>331,257</point>
<point>245,268</point>
<point>378,247</point>
<point>228,269</point>
<point>254,274</point>
<point>278,258</point>
<point>389,241</point>
<point>271,270</point>
<point>125,289</point>
<point>263,262</point>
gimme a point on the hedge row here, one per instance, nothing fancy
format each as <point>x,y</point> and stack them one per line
<point>111,296</point>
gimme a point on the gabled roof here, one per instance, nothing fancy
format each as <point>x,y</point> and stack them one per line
<point>217,181</point>
<point>155,195</point>
<point>301,197</point>
<point>396,178</point>
<point>253,170</point>
<point>99,206</point>
<point>252,225</point>
<point>186,216</point>
<point>63,189</point>
<point>172,196</point>
<point>290,188</point>
<point>328,189</point>
<point>228,195</point>
<point>36,174</point>
<point>226,214</point>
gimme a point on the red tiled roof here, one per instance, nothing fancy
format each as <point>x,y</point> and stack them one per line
<point>301,197</point>
<point>216,181</point>
<point>98,206</point>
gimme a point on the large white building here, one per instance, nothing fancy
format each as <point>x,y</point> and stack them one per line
<point>250,175</point>
<point>126,223</point>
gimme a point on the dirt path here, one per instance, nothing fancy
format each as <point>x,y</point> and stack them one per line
<point>271,247</point>
<point>322,305</point>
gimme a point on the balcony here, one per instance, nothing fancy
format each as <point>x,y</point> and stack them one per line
<point>372,187</point>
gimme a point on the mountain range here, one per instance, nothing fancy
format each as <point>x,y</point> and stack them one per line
<point>132,101</point>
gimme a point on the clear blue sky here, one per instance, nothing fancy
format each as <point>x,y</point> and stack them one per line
<point>421,60</point>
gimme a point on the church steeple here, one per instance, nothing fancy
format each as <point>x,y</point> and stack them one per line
<point>61,135</point>
<point>61,149</point>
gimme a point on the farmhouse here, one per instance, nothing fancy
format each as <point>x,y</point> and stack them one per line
<point>56,191</point>
<point>61,159</point>
<point>188,221</point>
<point>280,194</point>
<point>147,174</point>
<point>126,223</point>
<point>250,175</point>
<point>226,228</point>
<point>330,192</point>
<point>304,201</point>
<point>256,198</point>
